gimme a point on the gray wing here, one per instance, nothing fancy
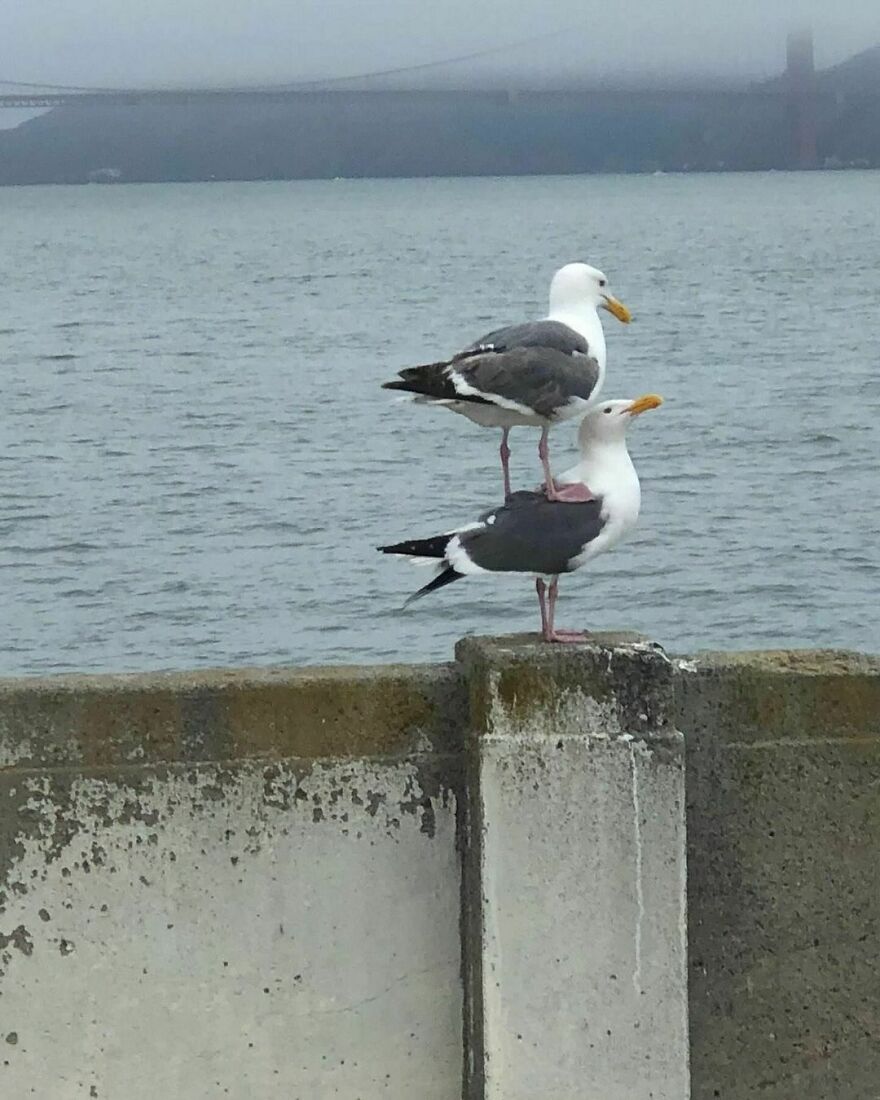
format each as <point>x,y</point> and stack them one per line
<point>552,335</point>
<point>541,366</point>
<point>531,534</point>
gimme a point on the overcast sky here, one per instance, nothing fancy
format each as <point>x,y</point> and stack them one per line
<point>148,42</point>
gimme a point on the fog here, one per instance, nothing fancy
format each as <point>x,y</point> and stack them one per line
<point>205,42</point>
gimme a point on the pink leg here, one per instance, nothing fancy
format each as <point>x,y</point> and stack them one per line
<point>505,461</point>
<point>541,589</point>
<point>553,635</point>
<point>569,494</point>
<point>544,455</point>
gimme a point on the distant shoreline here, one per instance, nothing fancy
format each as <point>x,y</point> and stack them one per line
<point>675,173</point>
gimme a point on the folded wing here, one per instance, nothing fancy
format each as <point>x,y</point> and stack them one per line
<point>531,534</point>
<point>539,368</point>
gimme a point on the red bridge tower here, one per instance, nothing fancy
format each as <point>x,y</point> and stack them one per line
<point>801,78</point>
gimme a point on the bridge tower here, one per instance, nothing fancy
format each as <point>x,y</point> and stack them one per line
<point>800,77</point>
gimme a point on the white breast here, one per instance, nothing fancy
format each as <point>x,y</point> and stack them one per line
<point>610,474</point>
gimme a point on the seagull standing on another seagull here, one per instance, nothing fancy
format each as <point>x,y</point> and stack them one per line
<point>536,373</point>
<point>531,534</point>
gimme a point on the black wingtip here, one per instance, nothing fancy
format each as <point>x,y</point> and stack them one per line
<point>434,547</point>
<point>446,576</point>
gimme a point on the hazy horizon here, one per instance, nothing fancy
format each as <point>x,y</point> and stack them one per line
<point>205,42</point>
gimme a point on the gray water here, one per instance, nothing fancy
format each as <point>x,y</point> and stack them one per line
<point>197,460</point>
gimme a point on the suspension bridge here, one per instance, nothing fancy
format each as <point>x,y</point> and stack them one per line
<point>798,91</point>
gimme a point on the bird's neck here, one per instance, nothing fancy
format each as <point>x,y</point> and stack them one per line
<point>608,471</point>
<point>585,320</point>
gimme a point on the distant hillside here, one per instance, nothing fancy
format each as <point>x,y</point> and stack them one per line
<point>323,135</point>
<point>349,135</point>
<point>858,74</point>
<point>851,134</point>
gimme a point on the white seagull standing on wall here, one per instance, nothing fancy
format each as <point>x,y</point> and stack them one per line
<point>530,534</point>
<point>536,374</point>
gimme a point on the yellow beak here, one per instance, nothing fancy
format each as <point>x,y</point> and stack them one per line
<point>643,404</point>
<point>617,308</point>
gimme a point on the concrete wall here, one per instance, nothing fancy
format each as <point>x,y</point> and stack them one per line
<point>783,788</point>
<point>453,881</point>
<point>231,885</point>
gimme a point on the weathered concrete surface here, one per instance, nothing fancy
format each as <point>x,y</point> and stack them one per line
<point>783,775</point>
<point>240,928</point>
<point>194,863</point>
<point>228,714</point>
<point>578,985</point>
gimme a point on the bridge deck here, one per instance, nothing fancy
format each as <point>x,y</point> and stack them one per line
<point>575,95</point>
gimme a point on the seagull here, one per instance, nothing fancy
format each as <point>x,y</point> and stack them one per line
<point>531,534</point>
<point>536,373</point>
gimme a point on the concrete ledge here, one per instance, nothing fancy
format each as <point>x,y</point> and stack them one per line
<point>759,696</point>
<point>619,683</point>
<point>223,715</point>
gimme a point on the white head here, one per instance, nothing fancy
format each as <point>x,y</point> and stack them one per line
<point>608,421</point>
<point>577,285</point>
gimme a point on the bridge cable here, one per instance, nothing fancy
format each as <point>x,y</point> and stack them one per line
<point>315,83</point>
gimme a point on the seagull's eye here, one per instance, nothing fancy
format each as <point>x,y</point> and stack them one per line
<point>608,410</point>
<point>602,282</point>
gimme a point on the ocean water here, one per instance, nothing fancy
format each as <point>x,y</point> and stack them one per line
<point>197,461</point>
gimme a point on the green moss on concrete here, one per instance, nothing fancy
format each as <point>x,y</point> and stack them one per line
<point>346,714</point>
<point>526,692</point>
<point>621,682</point>
<point>791,693</point>
<point>527,688</point>
<point>340,712</point>
<point>808,662</point>
<point>335,712</point>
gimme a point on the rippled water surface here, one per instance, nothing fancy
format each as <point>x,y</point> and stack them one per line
<point>198,462</point>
